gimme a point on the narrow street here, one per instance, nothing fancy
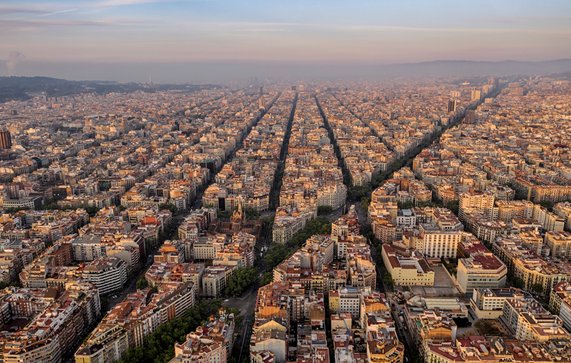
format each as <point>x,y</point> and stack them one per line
<point>247,302</point>
<point>131,285</point>
<point>402,330</point>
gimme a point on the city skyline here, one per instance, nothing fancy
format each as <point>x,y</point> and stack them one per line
<point>74,38</point>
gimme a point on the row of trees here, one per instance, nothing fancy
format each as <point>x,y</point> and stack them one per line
<point>240,281</point>
<point>142,283</point>
<point>274,255</point>
<point>91,210</point>
<point>158,347</point>
<point>451,265</point>
<point>356,193</point>
<point>170,207</point>
<point>520,284</point>
<point>250,213</point>
<point>386,278</point>
<point>318,225</point>
<point>324,210</point>
<point>487,328</point>
<point>279,252</point>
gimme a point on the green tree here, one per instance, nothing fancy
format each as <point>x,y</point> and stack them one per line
<point>357,192</point>
<point>487,327</point>
<point>142,283</point>
<point>537,288</point>
<point>388,281</point>
<point>50,206</point>
<point>274,255</point>
<point>324,210</point>
<point>159,345</point>
<point>251,213</point>
<point>518,282</point>
<point>267,278</point>
<point>240,280</point>
<point>222,214</point>
<point>104,185</point>
<point>453,206</point>
<point>92,210</point>
<point>385,275</point>
<point>365,201</point>
<point>405,205</point>
<point>547,204</point>
<point>170,207</point>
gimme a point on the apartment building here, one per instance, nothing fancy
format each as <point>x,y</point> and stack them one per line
<point>481,270</point>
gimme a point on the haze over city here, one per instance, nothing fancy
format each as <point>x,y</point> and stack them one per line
<point>214,41</point>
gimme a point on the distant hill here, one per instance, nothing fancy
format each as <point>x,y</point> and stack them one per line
<point>441,68</point>
<point>563,75</point>
<point>248,72</point>
<point>22,88</point>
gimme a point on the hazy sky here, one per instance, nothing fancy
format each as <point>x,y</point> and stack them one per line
<point>54,33</point>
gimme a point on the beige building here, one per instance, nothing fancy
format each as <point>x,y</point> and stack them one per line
<point>384,229</point>
<point>480,270</point>
<point>560,292</point>
<point>274,341</point>
<point>107,347</point>
<point>533,272</point>
<point>476,201</point>
<point>528,320</point>
<point>108,274</point>
<point>559,244</point>
<point>563,210</point>
<point>549,221</point>
<point>209,343</point>
<point>215,278</point>
<point>127,324</point>
<point>489,303</point>
<point>536,274</point>
<point>514,209</point>
<point>288,222</point>
<point>346,300</point>
<point>410,270</point>
<point>55,324</point>
<point>437,242</point>
<point>483,226</point>
<point>207,246</point>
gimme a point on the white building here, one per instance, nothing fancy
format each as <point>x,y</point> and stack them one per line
<point>439,243</point>
<point>108,274</point>
<point>481,270</point>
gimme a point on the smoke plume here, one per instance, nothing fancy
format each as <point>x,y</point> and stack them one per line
<point>12,61</point>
